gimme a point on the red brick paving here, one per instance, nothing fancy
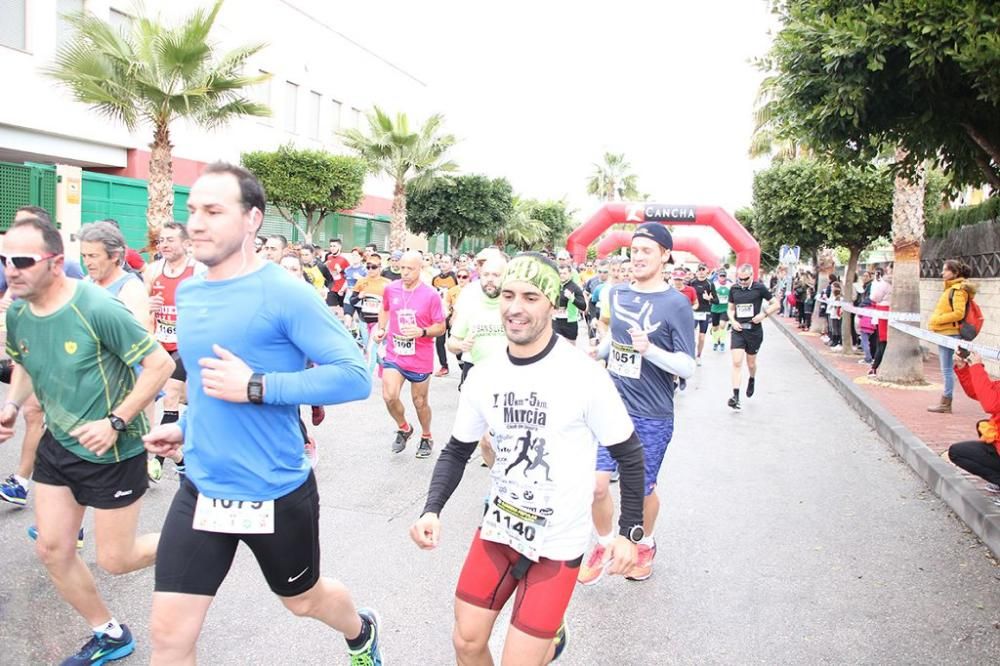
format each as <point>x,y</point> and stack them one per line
<point>909,405</point>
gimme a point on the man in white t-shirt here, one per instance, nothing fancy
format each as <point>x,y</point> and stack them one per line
<point>548,409</point>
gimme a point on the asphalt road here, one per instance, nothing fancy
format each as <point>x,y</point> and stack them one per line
<point>789,534</point>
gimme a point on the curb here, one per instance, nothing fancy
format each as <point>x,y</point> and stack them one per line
<point>972,506</point>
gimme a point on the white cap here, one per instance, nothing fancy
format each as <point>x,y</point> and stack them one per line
<point>563,254</point>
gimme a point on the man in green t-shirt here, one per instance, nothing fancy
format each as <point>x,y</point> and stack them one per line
<point>477,331</point>
<point>76,346</point>
<point>720,314</point>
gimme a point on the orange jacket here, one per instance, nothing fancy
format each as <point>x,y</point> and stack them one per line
<point>979,386</point>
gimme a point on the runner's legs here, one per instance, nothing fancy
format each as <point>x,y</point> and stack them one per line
<point>392,384</point>
<point>418,392</point>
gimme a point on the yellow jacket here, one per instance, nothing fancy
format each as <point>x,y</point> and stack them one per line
<point>950,309</point>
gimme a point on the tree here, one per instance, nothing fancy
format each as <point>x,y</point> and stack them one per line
<point>153,74</point>
<point>312,183</point>
<point>860,79</point>
<point>411,159</point>
<point>558,221</point>
<point>462,207</point>
<point>613,179</point>
<point>523,231</point>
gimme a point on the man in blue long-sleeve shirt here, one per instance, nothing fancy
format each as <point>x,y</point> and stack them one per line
<point>245,329</point>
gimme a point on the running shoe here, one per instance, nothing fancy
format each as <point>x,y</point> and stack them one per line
<point>33,535</point>
<point>561,640</point>
<point>643,568</point>
<point>154,469</point>
<point>442,372</point>
<point>101,649</point>
<point>992,488</point>
<point>424,447</point>
<point>401,437</point>
<point>734,403</point>
<point>751,385</point>
<point>12,491</point>
<point>312,451</point>
<point>318,414</point>
<point>592,569</point>
<point>370,654</point>
<point>698,361</point>
<point>615,475</point>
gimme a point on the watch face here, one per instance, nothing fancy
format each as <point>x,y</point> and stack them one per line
<point>118,424</point>
<point>636,534</point>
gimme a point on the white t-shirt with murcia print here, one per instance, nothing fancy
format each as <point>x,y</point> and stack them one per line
<point>546,415</point>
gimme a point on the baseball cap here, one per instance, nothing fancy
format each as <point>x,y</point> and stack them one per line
<point>656,232</point>
<point>397,255</point>
<point>563,254</point>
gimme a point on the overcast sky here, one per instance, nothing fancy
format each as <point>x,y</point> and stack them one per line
<point>538,91</point>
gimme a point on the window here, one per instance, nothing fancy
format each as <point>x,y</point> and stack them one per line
<point>291,106</point>
<point>261,93</point>
<point>335,115</point>
<point>64,31</point>
<point>12,24</point>
<point>355,118</point>
<point>315,101</point>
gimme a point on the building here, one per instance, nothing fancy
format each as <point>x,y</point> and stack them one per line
<point>321,81</point>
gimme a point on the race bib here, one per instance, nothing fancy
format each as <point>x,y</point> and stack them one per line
<point>166,331</point>
<point>404,346</point>
<point>700,316</point>
<point>233,516</point>
<point>625,361</point>
<point>744,310</point>
<point>371,305</point>
<point>513,526</point>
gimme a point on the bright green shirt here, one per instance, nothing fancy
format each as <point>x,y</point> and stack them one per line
<point>80,359</point>
<point>722,291</point>
<point>479,316</point>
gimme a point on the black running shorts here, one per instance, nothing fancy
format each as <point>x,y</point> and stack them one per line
<point>191,561</point>
<point>180,374</point>
<point>102,486</point>
<point>749,339</point>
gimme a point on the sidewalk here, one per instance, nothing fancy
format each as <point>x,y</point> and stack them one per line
<point>921,438</point>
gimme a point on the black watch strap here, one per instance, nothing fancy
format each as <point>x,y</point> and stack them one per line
<point>255,388</point>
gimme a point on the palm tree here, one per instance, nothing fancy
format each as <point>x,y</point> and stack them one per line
<point>767,139</point>
<point>412,159</point>
<point>152,74</point>
<point>613,179</point>
<point>522,230</point>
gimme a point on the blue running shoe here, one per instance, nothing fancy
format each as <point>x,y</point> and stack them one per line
<point>101,649</point>
<point>370,654</point>
<point>561,640</point>
<point>13,492</point>
<point>33,534</point>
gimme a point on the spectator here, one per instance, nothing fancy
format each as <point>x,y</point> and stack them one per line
<point>882,299</point>
<point>980,457</point>
<point>946,320</point>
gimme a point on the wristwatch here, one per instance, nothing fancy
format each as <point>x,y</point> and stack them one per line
<point>255,388</point>
<point>635,534</point>
<point>423,332</point>
<point>118,423</point>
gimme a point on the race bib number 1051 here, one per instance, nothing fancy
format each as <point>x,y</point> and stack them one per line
<point>625,361</point>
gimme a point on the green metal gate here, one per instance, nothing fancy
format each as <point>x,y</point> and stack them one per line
<point>25,185</point>
<point>125,200</point>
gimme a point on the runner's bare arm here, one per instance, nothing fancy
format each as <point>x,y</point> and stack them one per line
<point>156,370</point>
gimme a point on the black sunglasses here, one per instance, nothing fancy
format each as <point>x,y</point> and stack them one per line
<point>23,261</point>
<point>745,279</point>
<point>373,266</point>
<point>463,277</point>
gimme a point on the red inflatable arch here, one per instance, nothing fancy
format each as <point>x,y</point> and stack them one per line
<point>696,246</point>
<point>746,248</point>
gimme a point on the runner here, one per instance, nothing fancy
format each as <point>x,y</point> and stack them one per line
<point>275,248</point>
<point>443,282</point>
<point>102,248</point>
<point>687,291</point>
<point>78,346</point>
<point>651,343</point>
<point>15,488</point>
<point>392,270</point>
<point>720,311</point>
<point>544,400</point>
<point>316,272</point>
<point>162,280</point>
<point>569,306</point>
<point>411,316</point>
<point>368,291</point>
<point>247,478</point>
<point>746,312</point>
<point>707,297</point>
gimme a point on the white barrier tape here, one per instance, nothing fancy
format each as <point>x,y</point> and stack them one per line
<point>876,315</point>
<point>945,341</point>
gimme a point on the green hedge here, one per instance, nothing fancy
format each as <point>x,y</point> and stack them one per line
<point>987,211</point>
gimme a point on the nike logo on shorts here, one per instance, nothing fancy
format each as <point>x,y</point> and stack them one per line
<point>301,573</point>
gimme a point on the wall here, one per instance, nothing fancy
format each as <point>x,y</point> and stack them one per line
<point>988,299</point>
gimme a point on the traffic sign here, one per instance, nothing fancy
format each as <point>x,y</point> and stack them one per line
<point>790,254</point>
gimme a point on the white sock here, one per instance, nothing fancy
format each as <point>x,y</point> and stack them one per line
<point>607,539</point>
<point>23,481</point>
<point>648,541</point>
<point>111,628</point>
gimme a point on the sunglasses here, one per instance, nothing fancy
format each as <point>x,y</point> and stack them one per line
<point>23,261</point>
<point>373,266</point>
<point>745,279</point>
<point>463,277</point>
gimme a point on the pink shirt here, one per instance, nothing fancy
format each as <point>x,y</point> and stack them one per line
<point>422,306</point>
